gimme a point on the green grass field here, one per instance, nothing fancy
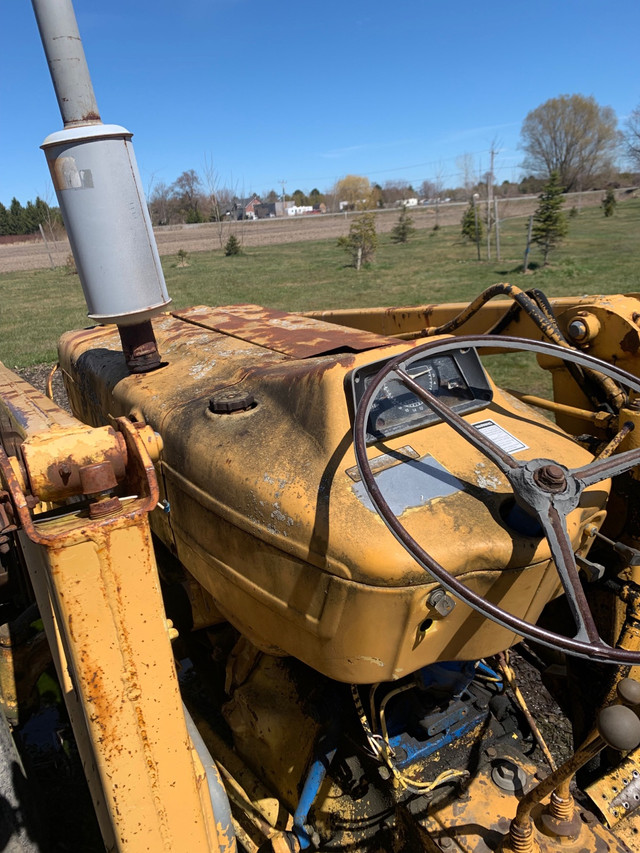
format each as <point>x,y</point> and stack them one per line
<point>599,256</point>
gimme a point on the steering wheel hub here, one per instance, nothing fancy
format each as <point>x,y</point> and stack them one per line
<point>551,478</point>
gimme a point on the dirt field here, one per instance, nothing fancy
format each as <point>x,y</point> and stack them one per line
<point>210,235</point>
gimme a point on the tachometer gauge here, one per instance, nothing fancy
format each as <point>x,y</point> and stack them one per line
<point>396,408</point>
<point>458,378</point>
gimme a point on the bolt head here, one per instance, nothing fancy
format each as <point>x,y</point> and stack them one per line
<point>551,478</point>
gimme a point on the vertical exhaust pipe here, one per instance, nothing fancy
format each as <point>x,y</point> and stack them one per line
<point>96,179</point>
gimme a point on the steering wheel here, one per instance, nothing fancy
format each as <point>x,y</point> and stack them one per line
<point>544,488</point>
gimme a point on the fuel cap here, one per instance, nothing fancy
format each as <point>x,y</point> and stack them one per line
<point>227,402</point>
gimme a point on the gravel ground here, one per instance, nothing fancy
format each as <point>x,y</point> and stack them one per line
<point>38,375</point>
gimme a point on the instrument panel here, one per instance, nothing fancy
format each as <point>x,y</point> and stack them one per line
<point>457,378</point>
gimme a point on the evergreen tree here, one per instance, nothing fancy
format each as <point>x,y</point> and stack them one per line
<point>361,241</point>
<point>403,229</point>
<point>25,220</point>
<point>549,221</point>
<point>232,246</point>
<point>609,202</point>
<point>16,217</point>
<point>472,228</point>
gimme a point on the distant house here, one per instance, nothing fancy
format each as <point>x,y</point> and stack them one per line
<point>298,210</point>
<point>283,206</point>
<point>265,210</point>
<point>408,202</point>
<point>245,208</point>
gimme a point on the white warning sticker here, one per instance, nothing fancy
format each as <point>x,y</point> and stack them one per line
<point>500,437</point>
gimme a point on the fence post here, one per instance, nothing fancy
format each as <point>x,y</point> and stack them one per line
<point>526,251</point>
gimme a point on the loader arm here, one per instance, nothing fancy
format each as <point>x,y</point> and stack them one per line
<point>89,554</point>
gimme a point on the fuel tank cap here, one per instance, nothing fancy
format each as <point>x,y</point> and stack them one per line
<point>228,402</point>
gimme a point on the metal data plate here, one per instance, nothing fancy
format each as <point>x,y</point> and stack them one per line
<point>412,483</point>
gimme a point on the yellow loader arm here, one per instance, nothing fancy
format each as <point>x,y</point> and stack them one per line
<point>93,571</point>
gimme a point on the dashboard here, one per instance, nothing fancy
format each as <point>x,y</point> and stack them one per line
<point>457,378</point>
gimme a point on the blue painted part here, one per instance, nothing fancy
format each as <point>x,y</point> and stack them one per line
<point>315,778</point>
<point>312,784</point>
<point>486,670</point>
<point>442,709</point>
<point>452,677</point>
<point>415,749</point>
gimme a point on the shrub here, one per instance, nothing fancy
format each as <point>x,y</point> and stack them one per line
<point>609,202</point>
<point>182,257</point>
<point>232,246</point>
<point>549,222</point>
<point>403,229</point>
<point>361,241</point>
<point>472,228</point>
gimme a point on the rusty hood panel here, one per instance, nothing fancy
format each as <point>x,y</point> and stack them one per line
<point>291,334</point>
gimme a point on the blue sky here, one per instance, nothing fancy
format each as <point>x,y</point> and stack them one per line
<point>307,92</point>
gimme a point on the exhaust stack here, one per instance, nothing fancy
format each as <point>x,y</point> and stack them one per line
<point>96,179</point>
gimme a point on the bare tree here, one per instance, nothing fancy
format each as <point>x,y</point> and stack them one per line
<point>572,135</point>
<point>632,137</point>
<point>428,189</point>
<point>393,192</point>
<point>187,190</point>
<point>219,200</point>
<point>465,166</point>
<point>160,204</point>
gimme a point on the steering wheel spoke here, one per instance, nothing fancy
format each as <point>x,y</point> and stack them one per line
<point>544,488</point>
<point>606,468</point>
<point>555,529</point>
<point>502,460</point>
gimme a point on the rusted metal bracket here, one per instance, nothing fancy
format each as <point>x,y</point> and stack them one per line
<point>97,589</point>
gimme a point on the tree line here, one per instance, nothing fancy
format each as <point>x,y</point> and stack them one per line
<point>19,219</point>
<point>571,135</point>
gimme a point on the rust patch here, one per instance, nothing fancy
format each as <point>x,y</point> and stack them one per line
<point>630,342</point>
<point>65,477</point>
<point>291,334</point>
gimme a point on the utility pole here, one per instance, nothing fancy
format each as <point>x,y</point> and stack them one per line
<point>475,215</point>
<point>489,201</point>
<point>283,182</point>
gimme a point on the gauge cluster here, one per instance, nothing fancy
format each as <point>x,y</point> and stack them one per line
<point>457,378</point>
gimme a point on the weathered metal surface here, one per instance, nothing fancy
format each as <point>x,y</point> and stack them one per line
<point>139,347</point>
<point>54,460</point>
<point>550,508</point>
<point>291,334</point>
<point>478,822</point>
<point>24,410</point>
<point>617,792</point>
<point>617,315</point>
<point>67,62</point>
<point>264,515</point>
<point>97,477</point>
<point>98,592</point>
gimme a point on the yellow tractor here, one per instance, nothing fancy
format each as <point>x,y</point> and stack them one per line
<point>280,559</point>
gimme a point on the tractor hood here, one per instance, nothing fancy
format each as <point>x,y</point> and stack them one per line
<point>267,510</point>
